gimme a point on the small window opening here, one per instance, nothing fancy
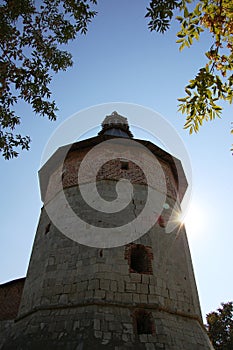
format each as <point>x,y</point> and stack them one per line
<point>124,165</point>
<point>139,260</point>
<point>101,253</point>
<point>144,322</point>
<point>47,228</point>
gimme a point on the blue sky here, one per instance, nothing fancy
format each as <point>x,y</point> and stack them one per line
<point>120,60</point>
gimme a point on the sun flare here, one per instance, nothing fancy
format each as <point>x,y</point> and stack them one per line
<point>193,219</point>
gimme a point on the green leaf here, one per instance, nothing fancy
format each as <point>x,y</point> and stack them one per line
<point>190,40</point>
<point>179,18</point>
<point>217,108</point>
<point>180,35</point>
<point>186,13</point>
<point>187,125</point>
<point>187,91</point>
<point>182,99</point>
<point>182,46</point>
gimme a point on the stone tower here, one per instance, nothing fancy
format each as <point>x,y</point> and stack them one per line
<point>137,295</point>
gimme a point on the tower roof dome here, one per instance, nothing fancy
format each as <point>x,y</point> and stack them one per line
<point>116,125</point>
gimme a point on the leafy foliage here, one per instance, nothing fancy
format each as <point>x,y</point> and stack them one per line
<point>160,14</point>
<point>220,327</point>
<point>214,81</point>
<point>31,34</point>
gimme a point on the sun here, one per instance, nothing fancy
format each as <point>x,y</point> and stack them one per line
<point>193,219</point>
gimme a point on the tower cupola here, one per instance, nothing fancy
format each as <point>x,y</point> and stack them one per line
<point>115,125</point>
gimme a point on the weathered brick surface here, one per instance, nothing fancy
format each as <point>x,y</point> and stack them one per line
<point>62,271</point>
<point>5,330</point>
<point>10,296</point>
<point>64,274</point>
<point>104,327</point>
<point>66,174</point>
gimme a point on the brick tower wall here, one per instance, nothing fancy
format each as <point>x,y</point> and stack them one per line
<point>79,297</point>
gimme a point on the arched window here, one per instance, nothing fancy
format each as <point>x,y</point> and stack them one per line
<point>139,258</point>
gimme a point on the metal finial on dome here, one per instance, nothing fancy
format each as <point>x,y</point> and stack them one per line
<point>116,125</point>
